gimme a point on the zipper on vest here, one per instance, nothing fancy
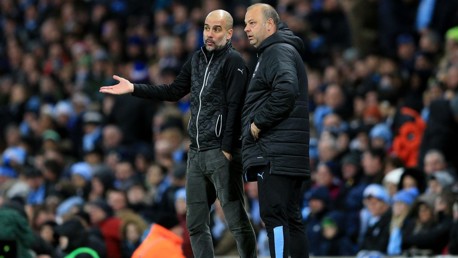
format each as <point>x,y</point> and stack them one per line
<point>206,75</point>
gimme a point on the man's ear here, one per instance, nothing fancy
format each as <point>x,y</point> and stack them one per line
<point>229,33</point>
<point>270,25</point>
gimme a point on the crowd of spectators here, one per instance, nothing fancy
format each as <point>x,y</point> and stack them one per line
<point>98,169</point>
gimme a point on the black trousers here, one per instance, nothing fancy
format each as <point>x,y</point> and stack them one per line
<point>279,198</point>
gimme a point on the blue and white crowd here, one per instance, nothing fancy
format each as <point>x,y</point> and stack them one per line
<point>383,97</point>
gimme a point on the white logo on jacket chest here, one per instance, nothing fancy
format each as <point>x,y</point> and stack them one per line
<point>255,69</point>
<point>240,70</point>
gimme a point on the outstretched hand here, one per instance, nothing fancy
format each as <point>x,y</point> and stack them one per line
<point>122,87</point>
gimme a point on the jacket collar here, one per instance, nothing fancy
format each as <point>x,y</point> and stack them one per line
<point>217,52</point>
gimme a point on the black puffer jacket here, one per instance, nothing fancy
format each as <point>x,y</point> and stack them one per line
<point>276,102</point>
<point>217,82</point>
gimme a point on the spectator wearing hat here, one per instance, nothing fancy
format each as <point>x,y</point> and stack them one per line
<point>402,201</point>
<point>430,228</point>
<point>15,158</point>
<point>11,185</point>
<point>380,136</point>
<point>164,239</point>
<point>439,182</point>
<point>92,130</point>
<point>335,242</point>
<point>375,229</point>
<point>35,181</point>
<point>80,176</point>
<point>50,140</point>
<point>406,49</point>
<point>412,178</point>
<point>64,116</point>
<point>391,180</point>
<point>102,219</point>
<point>318,206</point>
<point>69,207</point>
<point>350,166</point>
<point>350,200</point>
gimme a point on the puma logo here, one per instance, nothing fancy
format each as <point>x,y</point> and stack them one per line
<point>261,175</point>
<point>240,70</point>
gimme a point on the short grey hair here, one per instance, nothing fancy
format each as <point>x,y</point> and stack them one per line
<point>269,12</point>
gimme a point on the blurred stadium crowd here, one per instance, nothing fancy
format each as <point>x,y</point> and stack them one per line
<point>98,169</point>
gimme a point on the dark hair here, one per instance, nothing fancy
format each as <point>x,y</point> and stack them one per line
<point>168,220</point>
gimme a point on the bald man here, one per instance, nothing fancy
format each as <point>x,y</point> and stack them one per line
<point>216,76</point>
<point>276,130</point>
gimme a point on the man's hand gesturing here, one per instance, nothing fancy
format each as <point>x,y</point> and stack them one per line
<point>124,86</point>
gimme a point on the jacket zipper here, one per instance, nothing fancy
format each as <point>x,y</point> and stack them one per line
<point>206,75</point>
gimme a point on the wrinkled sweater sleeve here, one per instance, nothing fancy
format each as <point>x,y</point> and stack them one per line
<point>168,92</point>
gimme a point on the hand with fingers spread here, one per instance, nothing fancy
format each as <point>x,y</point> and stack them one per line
<point>122,87</point>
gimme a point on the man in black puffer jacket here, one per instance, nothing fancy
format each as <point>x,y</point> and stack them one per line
<point>276,129</point>
<point>216,77</point>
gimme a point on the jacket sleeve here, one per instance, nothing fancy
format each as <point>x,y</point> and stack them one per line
<point>236,77</point>
<point>168,92</point>
<point>281,75</point>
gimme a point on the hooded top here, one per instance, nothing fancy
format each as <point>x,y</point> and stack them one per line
<point>14,228</point>
<point>283,35</point>
<point>277,103</point>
